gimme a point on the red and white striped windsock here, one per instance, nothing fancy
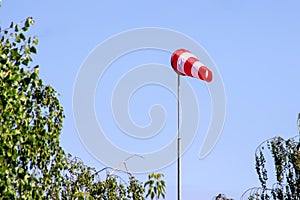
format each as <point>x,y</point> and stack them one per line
<point>186,64</point>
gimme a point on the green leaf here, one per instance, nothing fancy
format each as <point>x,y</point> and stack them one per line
<point>22,36</point>
<point>33,49</point>
<point>35,41</point>
<point>16,28</point>
<point>28,22</point>
<point>18,39</point>
<point>25,28</point>
<point>25,61</point>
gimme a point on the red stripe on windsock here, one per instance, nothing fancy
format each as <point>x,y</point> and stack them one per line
<point>205,74</point>
<point>174,59</point>
<point>188,65</point>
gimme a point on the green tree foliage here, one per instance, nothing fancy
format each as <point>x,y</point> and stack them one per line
<point>32,163</point>
<point>156,186</point>
<point>84,182</point>
<point>286,162</point>
<point>30,121</point>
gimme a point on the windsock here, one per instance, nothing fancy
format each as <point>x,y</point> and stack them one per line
<point>186,64</point>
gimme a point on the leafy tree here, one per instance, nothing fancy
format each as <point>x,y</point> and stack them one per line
<point>286,158</point>
<point>84,182</point>
<point>30,121</point>
<point>32,163</point>
<point>156,186</point>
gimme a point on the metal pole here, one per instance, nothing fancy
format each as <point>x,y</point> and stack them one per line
<point>178,141</point>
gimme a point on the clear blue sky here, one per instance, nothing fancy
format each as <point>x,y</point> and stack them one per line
<point>254,44</point>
